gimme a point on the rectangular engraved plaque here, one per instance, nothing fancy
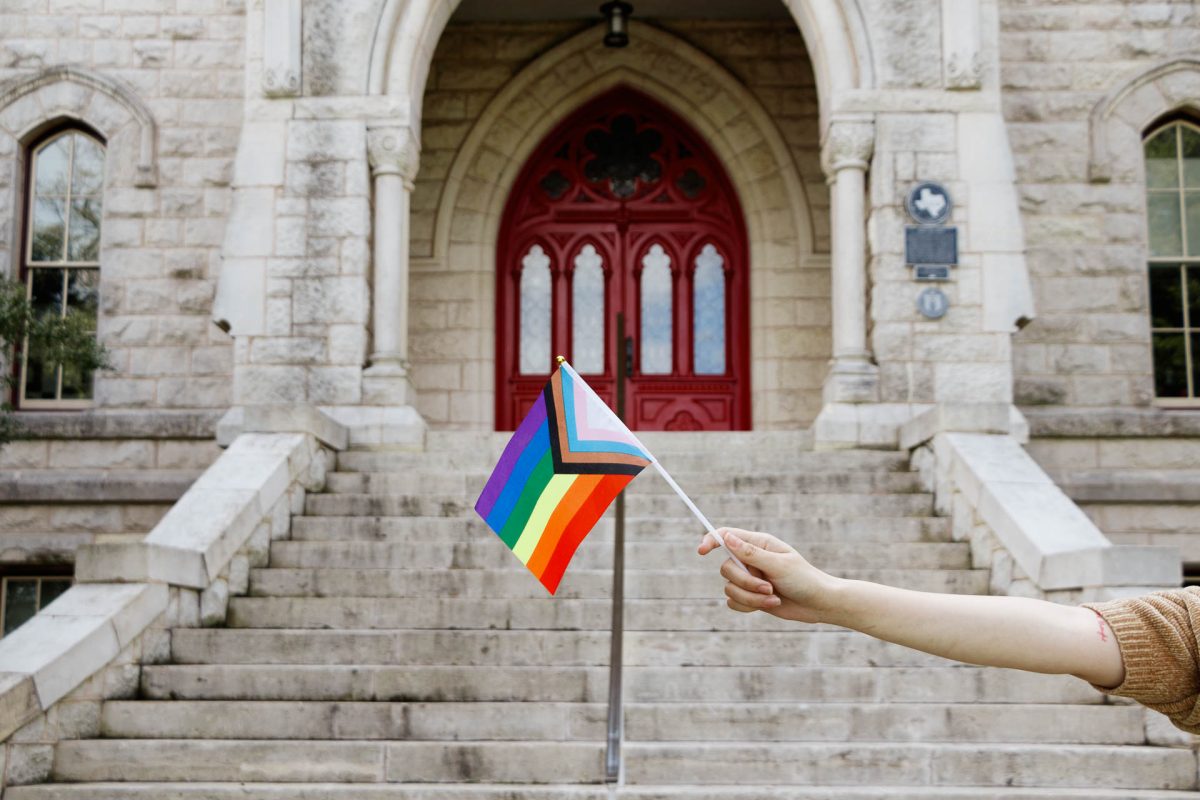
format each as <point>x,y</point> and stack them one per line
<point>929,245</point>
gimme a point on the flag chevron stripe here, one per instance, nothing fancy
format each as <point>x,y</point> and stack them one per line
<point>566,462</point>
<point>584,463</point>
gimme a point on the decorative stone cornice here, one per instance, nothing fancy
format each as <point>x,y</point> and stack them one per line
<point>849,144</point>
<point>393,150</point>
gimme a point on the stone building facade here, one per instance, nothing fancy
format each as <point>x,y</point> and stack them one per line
<point>302,203</point>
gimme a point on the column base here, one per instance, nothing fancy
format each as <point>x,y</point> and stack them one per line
<point>851,380</point>
<point>386,383</point>
<point>876,426</point>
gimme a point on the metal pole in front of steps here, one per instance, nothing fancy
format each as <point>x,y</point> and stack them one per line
<point>616,715</point>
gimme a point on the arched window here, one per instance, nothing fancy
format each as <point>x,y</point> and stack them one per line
<point>60,261</point>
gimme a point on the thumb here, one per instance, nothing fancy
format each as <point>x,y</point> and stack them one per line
<point>749,553</point>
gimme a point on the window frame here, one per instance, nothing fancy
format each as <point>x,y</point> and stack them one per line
<point>27,265</point>
<point>25,572</point>
<point>1181,263</point>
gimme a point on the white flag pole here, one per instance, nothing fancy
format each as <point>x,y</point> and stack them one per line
<point>699,515</point>
<point>616,421</point>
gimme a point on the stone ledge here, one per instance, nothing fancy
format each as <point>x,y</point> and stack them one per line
<point>69,641</point>
<point>1113,423</point>
<point>961,417</point>
<point>108,486</point>
<point>1130,486</point>
<point>220,527</point>
<point>297,418</point>
<point>149,424</point>
<point>1047,535</point>
<point>1115,565</point>
<point>214,518</point>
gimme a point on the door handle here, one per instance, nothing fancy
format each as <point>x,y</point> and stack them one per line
<point>629,355</point>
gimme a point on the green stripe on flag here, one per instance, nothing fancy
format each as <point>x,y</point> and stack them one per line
<point>538,479</point>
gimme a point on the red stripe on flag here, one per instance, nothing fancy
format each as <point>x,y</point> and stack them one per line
<point>567,508</point>
<point>590,511</point>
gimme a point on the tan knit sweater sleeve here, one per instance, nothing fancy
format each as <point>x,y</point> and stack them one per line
<point>1157,636</point>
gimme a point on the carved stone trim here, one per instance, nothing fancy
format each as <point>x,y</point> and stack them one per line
<point>147,174</point>
<point>282,33</point>
<point>1163,96</point>
<point>962,66</point>
<point>393,150</point>
<point>849,144</point>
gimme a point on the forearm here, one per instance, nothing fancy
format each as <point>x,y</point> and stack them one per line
<point>1015,632</point>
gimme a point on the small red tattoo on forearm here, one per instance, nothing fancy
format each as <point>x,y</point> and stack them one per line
<point>1100,623</point>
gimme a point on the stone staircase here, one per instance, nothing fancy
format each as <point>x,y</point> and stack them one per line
<point>394,648</point>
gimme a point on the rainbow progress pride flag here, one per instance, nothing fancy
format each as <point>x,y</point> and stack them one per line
<point>568,460</point>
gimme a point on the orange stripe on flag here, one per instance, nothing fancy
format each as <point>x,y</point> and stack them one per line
<point>568,506</point>
<point>589,512</point>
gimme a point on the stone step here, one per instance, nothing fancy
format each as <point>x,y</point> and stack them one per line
<point>793,529</point>
<point>736,461</point>
<point>680,554</point>
<point>481,791</point>
<point>815,763</point>
<point>322,720</point>
<point>912,764</point>
<point>369,613</point>
<point>589,684</point>
<point>705,483</point>
<point>320,761</point>
<point>659,442</point>
<point>536,648</point>
<point>723,509</point>
<point>517,582</point>
<point>645,722</point>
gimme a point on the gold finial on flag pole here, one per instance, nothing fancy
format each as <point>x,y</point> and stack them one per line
<point>559,359</point>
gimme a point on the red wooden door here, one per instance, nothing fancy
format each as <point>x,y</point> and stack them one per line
<point>624,208</point>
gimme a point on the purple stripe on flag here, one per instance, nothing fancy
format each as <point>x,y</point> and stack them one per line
<point>516,445</point>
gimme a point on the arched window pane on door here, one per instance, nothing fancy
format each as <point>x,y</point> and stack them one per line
<point>708,313</point>
<point>1173,225</point>
<point>656,345</point>
<point>62,257</point>
<point>587,312</point>
<point>535,312</point>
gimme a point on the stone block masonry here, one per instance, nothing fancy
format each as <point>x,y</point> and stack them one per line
<point>1090,344</point>
<point>160,245</point>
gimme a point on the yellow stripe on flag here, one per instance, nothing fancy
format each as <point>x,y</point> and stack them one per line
<point>551,496</point>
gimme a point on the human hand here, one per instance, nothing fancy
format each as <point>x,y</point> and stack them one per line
<point>780,581</point>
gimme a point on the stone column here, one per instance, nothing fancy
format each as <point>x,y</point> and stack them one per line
<point>394,153</point>
<point>853,378</point>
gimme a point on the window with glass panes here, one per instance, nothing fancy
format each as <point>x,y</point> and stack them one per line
<point>22,596</point>
<point>1173,216</point>
<point>61,263</point>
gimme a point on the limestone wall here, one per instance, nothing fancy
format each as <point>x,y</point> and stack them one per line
<point>455,213</point>
<point>161,242</point>
<point>1090,344</point>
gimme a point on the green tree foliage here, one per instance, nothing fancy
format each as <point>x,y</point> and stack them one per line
<point>57,339</point>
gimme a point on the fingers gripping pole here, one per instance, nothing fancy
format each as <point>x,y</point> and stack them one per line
<point>700,516</point>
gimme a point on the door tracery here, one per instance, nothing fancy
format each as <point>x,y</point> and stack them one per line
<point>624,208</point>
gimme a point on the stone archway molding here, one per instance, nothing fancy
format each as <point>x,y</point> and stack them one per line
<point>70,91</point>
<point>408,31</point>
<point>1119,120</point>
<point>565,78</point>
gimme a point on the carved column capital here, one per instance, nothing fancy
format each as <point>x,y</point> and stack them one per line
<point>849,144</point>
<point>393,150</point>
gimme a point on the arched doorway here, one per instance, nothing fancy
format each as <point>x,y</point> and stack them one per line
<point>624,208</point>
